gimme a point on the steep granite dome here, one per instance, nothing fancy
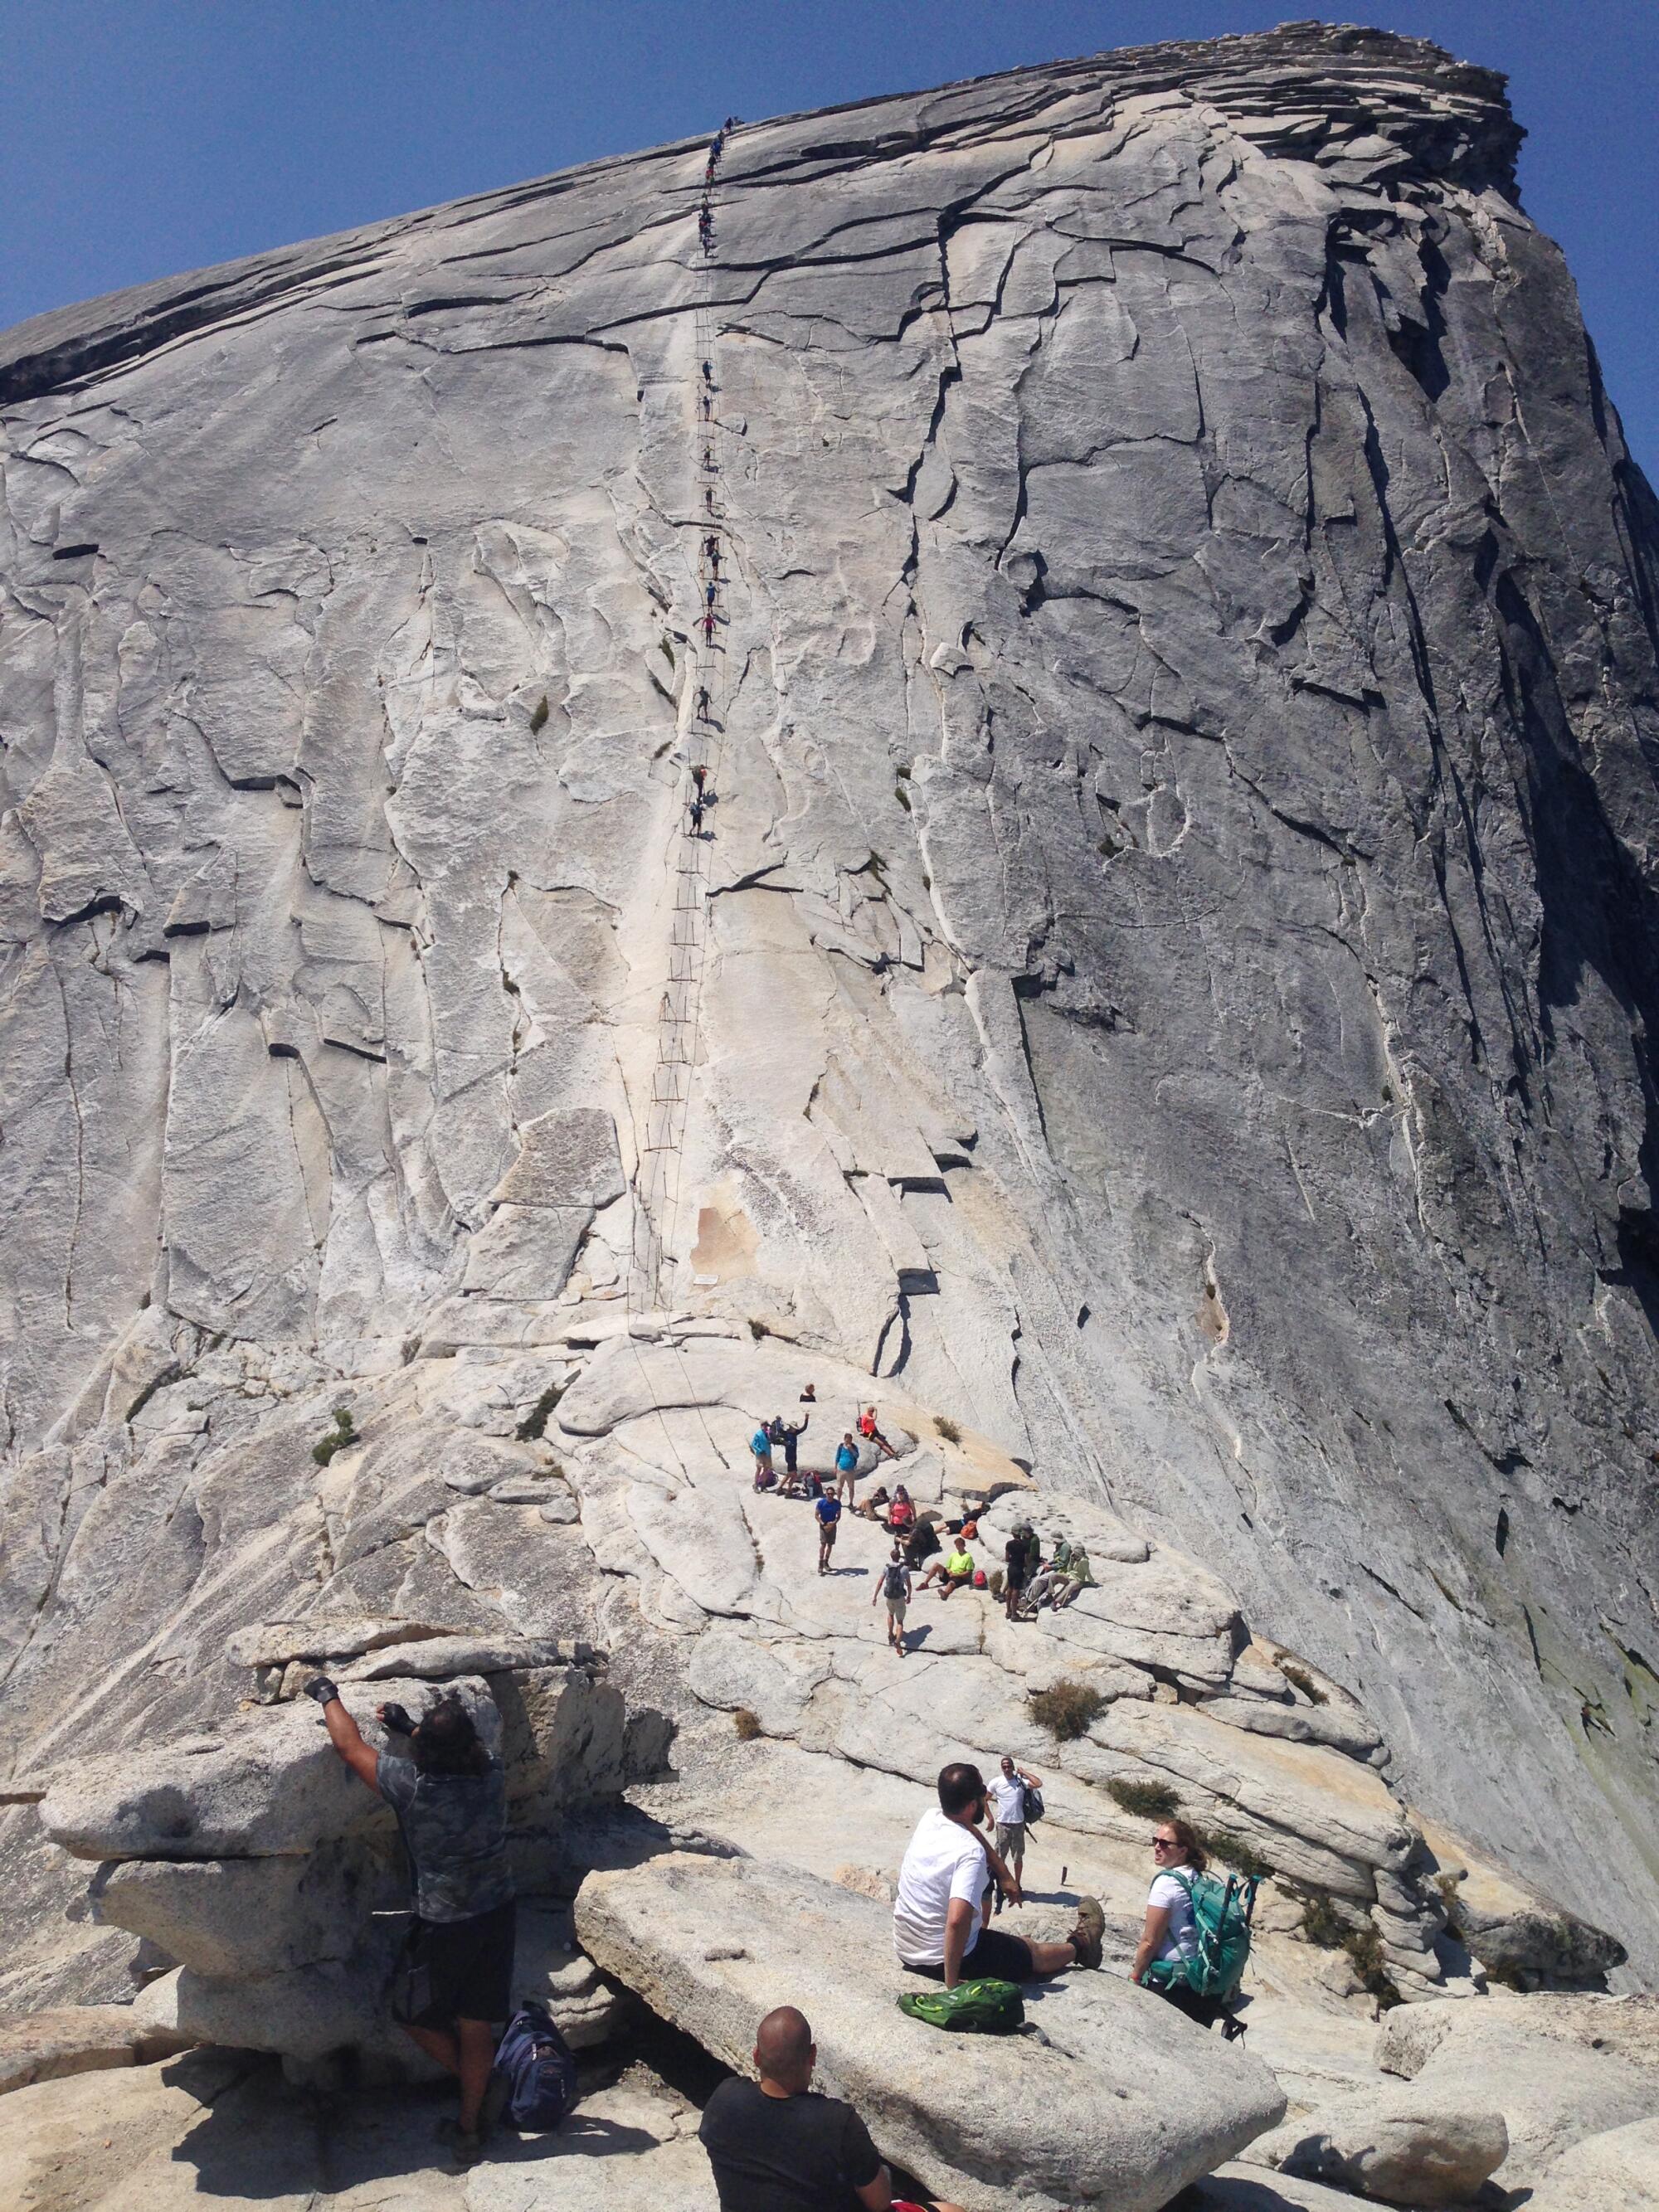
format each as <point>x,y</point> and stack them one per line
<point>1165,986</point>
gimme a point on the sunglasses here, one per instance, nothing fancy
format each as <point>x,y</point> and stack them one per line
<point>1165,1843</point>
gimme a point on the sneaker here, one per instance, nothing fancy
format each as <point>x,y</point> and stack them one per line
<point>1085,1936</point>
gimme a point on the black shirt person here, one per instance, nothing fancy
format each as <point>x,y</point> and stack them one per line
<point>450,1797</point>
<point>776,2145</point>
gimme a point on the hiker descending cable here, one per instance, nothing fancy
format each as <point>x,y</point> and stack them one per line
<point>711,548</point>
<point>708,629</point>
<point>708,373</point>
<point>700,776</point>
<point>696,815</point>
<point>703,707</point>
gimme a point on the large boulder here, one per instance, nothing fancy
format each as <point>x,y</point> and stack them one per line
<point>1553,2083</point>
<point>1615,2172</point>
<point>80,2040</point>
<point>1396,2145</point>
<point>239,1917</point>
<point>1118,2102</point>
<point>267,1783</point>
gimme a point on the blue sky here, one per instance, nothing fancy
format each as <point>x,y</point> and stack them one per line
<point>139,137</point>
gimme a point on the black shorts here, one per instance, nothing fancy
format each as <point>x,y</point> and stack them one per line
<point>997,1956</point>
<point>458,1970</point>
<point>1203,2011</point>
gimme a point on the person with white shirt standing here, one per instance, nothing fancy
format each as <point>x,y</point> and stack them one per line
<point>942,1906</point>
<point>1171,1930</point>
<point>1007,1794</point>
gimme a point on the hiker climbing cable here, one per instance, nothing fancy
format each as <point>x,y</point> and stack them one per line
<point>703,707</point>
<point>711,551</point>
<point>708,629</point>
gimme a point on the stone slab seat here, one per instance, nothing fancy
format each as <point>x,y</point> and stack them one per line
<point>1110,2098</point>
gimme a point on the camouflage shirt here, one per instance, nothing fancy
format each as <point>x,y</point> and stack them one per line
<point>455,1828</point>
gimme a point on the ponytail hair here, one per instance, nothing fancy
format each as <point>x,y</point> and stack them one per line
<point>1186,1836</point>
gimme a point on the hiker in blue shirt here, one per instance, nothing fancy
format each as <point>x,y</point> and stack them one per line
<point>847,1466</point>
<point>828,1512</point>
<point>761,1444</point>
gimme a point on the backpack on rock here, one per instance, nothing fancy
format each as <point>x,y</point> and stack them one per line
<point>986,2008</point>
<point>534,2060</point>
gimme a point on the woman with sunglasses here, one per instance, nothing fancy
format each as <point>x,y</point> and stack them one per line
<point>1170,1931</point>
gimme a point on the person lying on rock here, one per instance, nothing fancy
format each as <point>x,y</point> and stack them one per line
<point>953,1571</point>
<point>874,1507</point>
<point>943,1903</point>
<point>450,1797</point>
<point>775,2145</point>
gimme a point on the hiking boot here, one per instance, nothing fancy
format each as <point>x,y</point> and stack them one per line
<point>464,2145</point>
<point>495,2104</point>
<point>1085,1938</point>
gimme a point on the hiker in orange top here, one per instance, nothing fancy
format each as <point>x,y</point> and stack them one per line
<point>872,1434</point>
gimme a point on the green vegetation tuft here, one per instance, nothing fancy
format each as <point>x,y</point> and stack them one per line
<point>1147,1801</point>
<point>538,720</point>
<point>1303,1682</point>
<point>1321,1924</point>
<point>746,1724</point>
<point>342,1433</point>
<point>1233,1852</point>
<point>757,1328</point>
<point>947,1429</point>
<point>1365,1947</point>
<point>902,796</point>
<point>1066,1709</point>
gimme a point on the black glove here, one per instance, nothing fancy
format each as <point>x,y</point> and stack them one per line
<point>321,1688</point>
<point>395,1718</point>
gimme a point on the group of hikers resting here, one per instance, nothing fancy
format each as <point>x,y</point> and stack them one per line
<point>929,1551</point>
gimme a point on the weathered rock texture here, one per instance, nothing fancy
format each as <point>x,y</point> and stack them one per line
<point>1178,955</point>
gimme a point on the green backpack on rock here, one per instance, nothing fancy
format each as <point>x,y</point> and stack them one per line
<point>987,2007</point>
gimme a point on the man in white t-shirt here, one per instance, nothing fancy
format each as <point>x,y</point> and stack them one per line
<point>1005,1792</point>
<point>939,1914</point>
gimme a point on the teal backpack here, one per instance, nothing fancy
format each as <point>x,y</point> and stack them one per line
<point>987,2007</point>
<point>1222,1913</point>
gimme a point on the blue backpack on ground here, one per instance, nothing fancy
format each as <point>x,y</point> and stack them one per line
<point>534,2060</point>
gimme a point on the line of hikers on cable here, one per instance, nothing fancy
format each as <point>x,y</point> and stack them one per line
<point>706,211</point>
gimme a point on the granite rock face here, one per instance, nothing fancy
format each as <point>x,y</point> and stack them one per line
<point>1174,967</point>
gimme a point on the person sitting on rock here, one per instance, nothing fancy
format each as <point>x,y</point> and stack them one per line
<point>1045,1585</point>
<point>940,1912</point>
<point>922,1542</point>
<point>828,1510</point>
<point>953,1571</point>
<point>901,1514</point>
<point>1079,1576</point>
<point>1171,1930</point>
<point>776,2145</point>
<point>894,1586</point>
<point>847,1466</point>
<point>874,1507</point>
<point>450,1797</point>
<point>872,1434</point>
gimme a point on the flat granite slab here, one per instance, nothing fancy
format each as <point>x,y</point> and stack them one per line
<point>1108,2098</point>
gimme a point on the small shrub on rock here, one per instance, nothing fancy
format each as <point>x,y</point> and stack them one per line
<point>1303,1682</point>
<point>746,1724</point>
<point>1147,1801</point>
<point>1233,1852</point>
<point>1321,1924</point>
<point>757,1328</point>
<point>538,720</point>
<point>948,1429</point>
<point>342,1434</point>
<point>1365,1947</point>
<point>1066,1709</point>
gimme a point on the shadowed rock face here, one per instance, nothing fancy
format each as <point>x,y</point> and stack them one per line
<point>1180,924</point>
